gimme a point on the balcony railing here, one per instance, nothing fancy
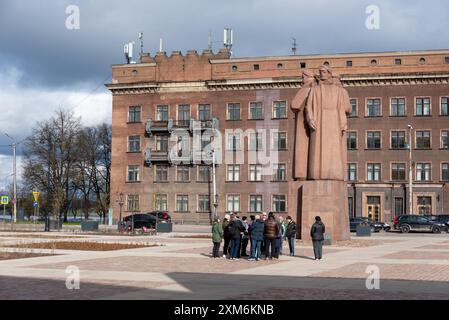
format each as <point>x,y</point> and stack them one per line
<point>191,125</point>
<point>151,156</point>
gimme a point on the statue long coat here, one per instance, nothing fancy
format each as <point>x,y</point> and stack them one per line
<point>327,108</point>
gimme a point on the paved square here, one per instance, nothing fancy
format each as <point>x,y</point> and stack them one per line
<point>412,266</point>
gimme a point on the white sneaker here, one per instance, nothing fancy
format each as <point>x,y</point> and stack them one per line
<point>224,256</point>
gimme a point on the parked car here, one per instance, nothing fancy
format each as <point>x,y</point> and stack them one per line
<point>354,222</point>
<point>407,223</point>
<point>140,221</point>
<point>147,220</point>
<point>442,218</point>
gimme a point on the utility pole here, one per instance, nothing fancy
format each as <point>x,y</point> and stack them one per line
<point>410,178</point>
<point>14,148</point>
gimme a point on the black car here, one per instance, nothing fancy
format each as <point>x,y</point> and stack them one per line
<point>442,218</point>
<point>140,221</point>
<point>409,223</point>
<point>354,222</point>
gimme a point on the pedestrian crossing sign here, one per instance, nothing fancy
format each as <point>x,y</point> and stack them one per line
<point>5,200</point>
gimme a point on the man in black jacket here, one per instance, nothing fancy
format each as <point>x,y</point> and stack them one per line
<point>291,235</point>
<point>317,234</point>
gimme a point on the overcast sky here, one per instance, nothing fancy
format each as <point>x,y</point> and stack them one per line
<point>44,66</point>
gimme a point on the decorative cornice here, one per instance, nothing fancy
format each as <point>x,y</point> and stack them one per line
<point>274,83</point>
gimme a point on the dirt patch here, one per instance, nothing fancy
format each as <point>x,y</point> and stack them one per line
<point>21,255</point>
<point>83,246</point>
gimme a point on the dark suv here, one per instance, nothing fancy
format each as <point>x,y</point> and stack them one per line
<point>147,220</point>
<point>409,223</point>
<point>442,218</point>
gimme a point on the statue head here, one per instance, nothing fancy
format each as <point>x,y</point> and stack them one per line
<point>325,73</point>
<point>308,77</point>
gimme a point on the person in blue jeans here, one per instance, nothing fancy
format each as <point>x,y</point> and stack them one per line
<point>235,228</point>
<point>257,230</point>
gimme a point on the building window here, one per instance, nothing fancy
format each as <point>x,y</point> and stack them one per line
<point>203,203</point>
<point>256,67</point>
<point>280,66</point>
<point>204,174</point>
<point>349,63</point>
<point>444,106</point>
<point>184,115</point>
<point>162,113</point>
<point>326,63</point>
<point>374,62</point>
<point>423,140</point>
<point>133,174</point>
<point>352,140</point>
<point>234,68</point>
<point>280,110</point>
<point>255,141</point>
<point>134,144</point>
<point>353,108</point>
<point>161,173</point>
<point>280,172</point>
<point>373,108</point>
<point>255,203</point>
<point>422,60</point>
<point>374,172</point>
<point>445,139</point>
<point>162,143</point>
<point>134,114</point>
<point>373,140</point>
<point>279,203</point>
<point>256,111</point>
<point>233,173</point>
<point>445,171</point>
<point>398,107</point>
<point>446,60</point>
<point>161,202</point>
<point>424,206</point>
<point>398,62</point>
<point>233,203</point>
<point>204,112</point>
<point>133,203</point>
<point>303,65</point>
<point>183,174</point>
<point>398,172</point>
<point>234,112</point>
<point>398,140</point>
<point>280,141</point>
<point>234,142</point>
<point>352,172</point>
<point>423,172</point>
<point>255,172</point>
<point>398,207</point>
<point>207,142</point>
<point>182,203</point>
<point>422,107</point>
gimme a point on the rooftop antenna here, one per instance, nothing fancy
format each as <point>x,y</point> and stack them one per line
<point>128,50</point>
<point>294,46</point>
<point>228,39</point>
<point>210,41</point>
<point>141,45</point>
<point>161,45</point>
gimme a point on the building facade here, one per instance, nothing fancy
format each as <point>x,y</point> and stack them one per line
<point>171,115</point>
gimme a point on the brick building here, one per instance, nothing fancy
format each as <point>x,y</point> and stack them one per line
<point>169,113</point>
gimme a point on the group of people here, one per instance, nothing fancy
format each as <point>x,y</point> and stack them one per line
<point>262,233</point>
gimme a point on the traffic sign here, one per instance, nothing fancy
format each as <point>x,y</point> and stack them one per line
<point>36,196</point>
<point>5,200</point>
<point>36,204</point>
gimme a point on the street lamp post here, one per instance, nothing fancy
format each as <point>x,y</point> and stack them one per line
<point>410,178</point>
<point>215,184</point>
<point>14,148</point>
<point>120,203</point>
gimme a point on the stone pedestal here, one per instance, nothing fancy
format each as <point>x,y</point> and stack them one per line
<point>327,199</point>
